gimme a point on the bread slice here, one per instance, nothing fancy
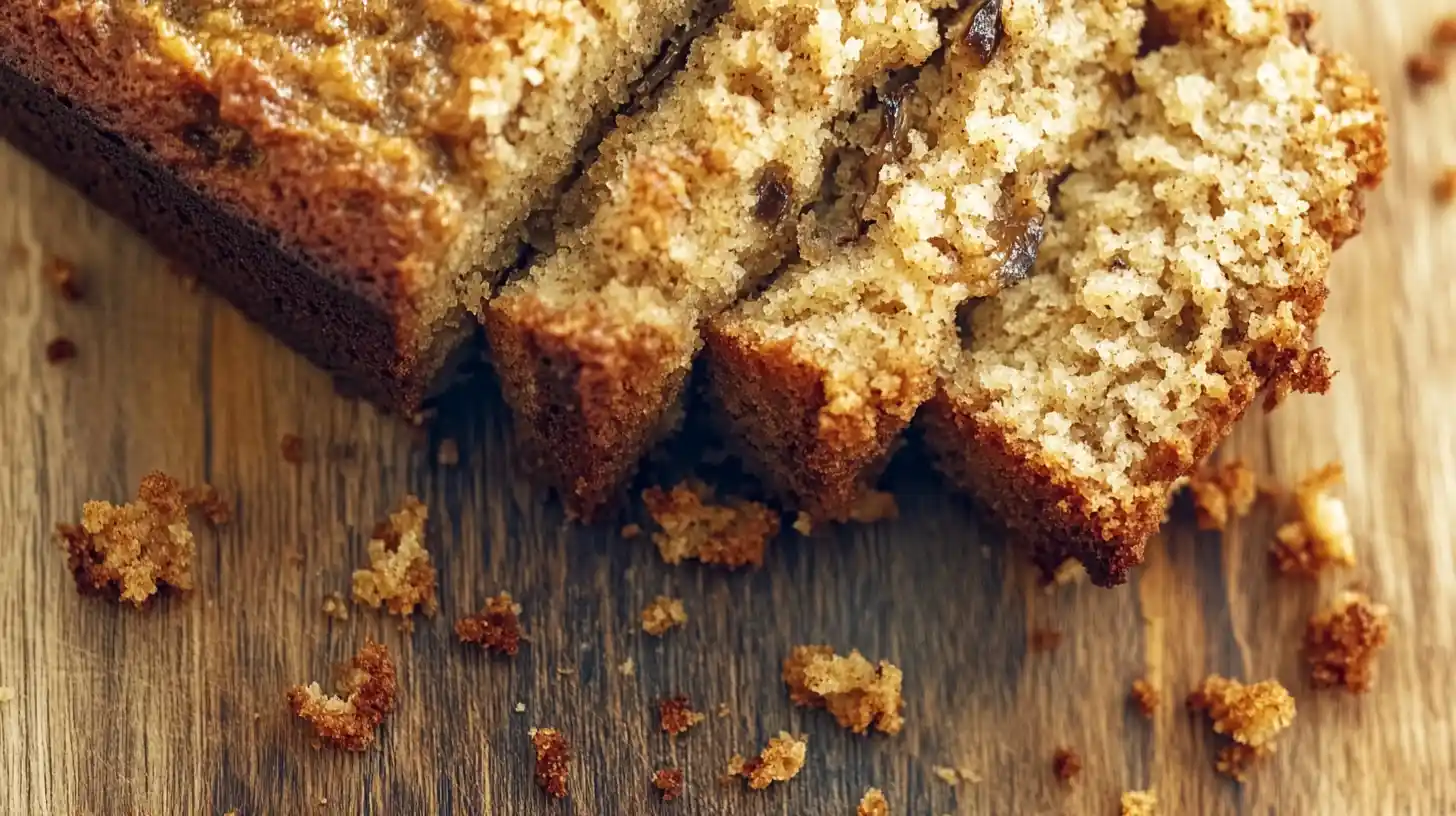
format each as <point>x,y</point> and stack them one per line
<point>1183,272</point>
<point>690,203</point>
<point>818,376</point>
<point>350,175</point>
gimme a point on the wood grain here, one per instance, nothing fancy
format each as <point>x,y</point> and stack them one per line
<point>179,709</point>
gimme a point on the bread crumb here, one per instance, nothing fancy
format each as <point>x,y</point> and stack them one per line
<point>1321,536</point>
<point>552,754</point>
<point>858,693</point>
<point>1445,187</point>
<point>1251,715</point>
<point>663,614</point>
<point>631,531</point>
<point>60,350</point>
<point>335,607</point>
<point>723,712</point>
<point>1424,69</point>
<point>448,453</point>
<point>520,708</point>
<point>7,693</point>
<point>779,761</point>
<point>1043,639</point>
<point>292,448</point>
<point>216,511</point>
<point>1222,494</point>
<point>627,668</point>
<point>496,628</point>
<point>1139,803</point>
<point>368,690</point>
<point>400,576</point>
<point>803,523</point>
<point>1342,640</point>
<point>694,525</point>
<point>677,715</point>
<point>1443,34</point>
<point>669,781</point>
<point>62,275</point>
<point>1145,697</point>
<point>873,804</point>
<point>946,774</point>
<point>132,551</point>
<point>1066,764</point>
<point>873,506</point>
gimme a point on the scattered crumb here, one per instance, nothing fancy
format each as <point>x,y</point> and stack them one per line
<point>1145,697</point>
<point>62,275</point>
<point>695,526</point>
<point>1044,640</point>
<point>552,754</point>
<point>497,627</point>
<point>1068,573</point>
<point>292,448</point>
<point>1342,640</point>
<point>1424,69</point>
<point>400,576</point>
<point>1321,536</point>
<point>520,708</point>
<point>669,781</point>
<point>1251,715</point>
<point>631,531</point>
<point>1445,187</point>
<point>627,668</point>
<point>132,551</point>
<point>60,350</point>
<point>1139,803</point>
<point>804,524</point>
<point>335,607</point>
<point>873,804</point>
<point>323,800</point>
<point>216,511</point>
<point>7,693</point>
<point>1223,494</point>
<point>723,712</point>
<point>858,693</point>
<point>677,715</point>
<point>368,692</point>
<point>780,761</point>
<point>873,506</point>
<point>1443,34</point>
<point>448,453</point>
<point>566,671</point>
<point>663,614</point>
<point>946,775</point>
<point>1066,764</point>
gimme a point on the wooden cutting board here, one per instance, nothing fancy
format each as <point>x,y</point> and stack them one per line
<point>179,709</point>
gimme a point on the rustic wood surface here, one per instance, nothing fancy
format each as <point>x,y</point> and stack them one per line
<point>179,709</point>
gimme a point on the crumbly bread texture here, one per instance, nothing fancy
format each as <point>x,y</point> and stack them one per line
<point>400,576</point>
<point>1139,803</point>
<point>1183,272</point>
<point>132,551</point>
<point>695,525</point>
<point>819,375</point>
<point>858,693</point>
<point>366,696</point>
<point>496,628</point>
<point>553,753</point>
<point>669,782</point>
<point>1251,715</point>
<point>663,614</point>
<point>873,804</point>
<point>1342,640</point>
<point>1320,537</point>
<point>692,202</point>
<point>676,715</point>
<point>1223,493</point>
<point>779,761</point>
<point>394,149</point>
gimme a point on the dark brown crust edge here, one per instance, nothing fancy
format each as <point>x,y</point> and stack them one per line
<point>340,331</point>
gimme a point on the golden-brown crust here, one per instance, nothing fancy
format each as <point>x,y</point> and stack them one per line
<point>553,753</point>
<point>663,614</point>
<point>400,576</point>
<point>779,761</point>
<point>1342,640</point>
<point>695,525</point>
<point>496,628</point>
<point>676,715</point>
<point>1251,715</point>
<point>349,722</point>
<point>668,782</point>
<point>873,804</point>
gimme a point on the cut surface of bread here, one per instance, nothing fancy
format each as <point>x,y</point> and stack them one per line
<point>818,376</point>
<point>351,174</point>
<point>1183,272</point>
<point>690,202</point>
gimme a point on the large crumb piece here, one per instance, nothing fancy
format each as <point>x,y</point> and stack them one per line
<point>857,692</point>
<point>1342,640</point>
<point>1320,538</point>
<point>1066,764</point>
<point>663,614</point>
<point>779,761</point>
<point>669,782</point>
<point>1223,494</point>
<point>366,695</point>
<point>497,627</point>
<point>695,525</point>
<point>553,753</point>
<point>677,714</point>
<point>1145,697</point>
<point>400,576</point>
<point>873,804</point>
<point>1139,803</point>
<point>132,551</point>
<point>1251,715</point>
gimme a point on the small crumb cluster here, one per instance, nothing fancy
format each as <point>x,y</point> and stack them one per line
<point>1145,697</point>
<point>366,696</point>
<point>779,761</point>
<point>663,614</point>
<point>400,576</point>
<point>695,525</point>
<point>335,607</point>
<point>1066,764</point>
<point>873,804</point>
<point>1251,715</point>
<point>1320,537</point>
<point>668,782</point>
<point>1223,494</point>
<point>553,753</point>
<point>496,628</point>
<point>857,692</point>
<point>1342,640</point>
<point>677,715</point>
<point>1139,803</point>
